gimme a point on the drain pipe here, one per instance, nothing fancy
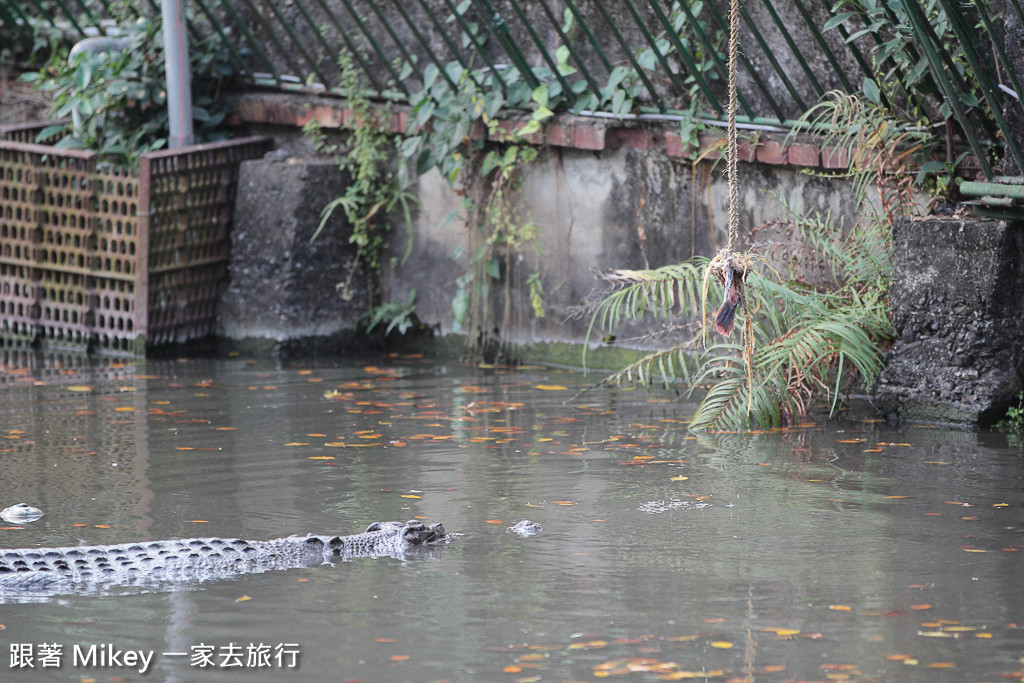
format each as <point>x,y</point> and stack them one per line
<point>179,81</point>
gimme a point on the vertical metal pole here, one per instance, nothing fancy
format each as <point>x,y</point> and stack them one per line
<point>179,81</point>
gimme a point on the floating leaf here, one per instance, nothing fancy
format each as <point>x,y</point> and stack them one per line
<point>722,644</point>
<point>840,608</point>
<point>244,598</point>
<point>550,387</point>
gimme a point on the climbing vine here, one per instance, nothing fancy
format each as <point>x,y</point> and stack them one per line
<point>374,191</point>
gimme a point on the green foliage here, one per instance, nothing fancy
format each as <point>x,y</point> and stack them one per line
<point>902,75</point>
<point>897,52</point>
<point>374,191</point>
<point>817,329</point>
<point>809,341</point>
<point>395,314</point>
<point>1014,420</point>
<point>120,95</point>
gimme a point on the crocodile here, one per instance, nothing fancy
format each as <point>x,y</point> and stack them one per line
<point>28,573</point>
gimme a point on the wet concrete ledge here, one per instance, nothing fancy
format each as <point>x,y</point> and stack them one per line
<point>958,312</point>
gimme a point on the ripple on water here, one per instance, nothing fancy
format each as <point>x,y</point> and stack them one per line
<point>654,507</point>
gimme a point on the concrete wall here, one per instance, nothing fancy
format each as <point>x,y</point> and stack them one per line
<point>618,208</point>
<point>605,195</point>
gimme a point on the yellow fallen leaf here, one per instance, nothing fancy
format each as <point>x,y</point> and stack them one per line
<point>409,495</point>
<point>722,644</point>
<point>678,478</point>
<point>841,608</point>
<point>550,387</point>
<point>244,598</point>
<point>297,443</point>
<point>79,387</point>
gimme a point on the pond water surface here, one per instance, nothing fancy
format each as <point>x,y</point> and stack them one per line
<point>842,551</point>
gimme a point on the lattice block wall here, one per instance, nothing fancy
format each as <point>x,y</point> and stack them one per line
<point>97,256</point>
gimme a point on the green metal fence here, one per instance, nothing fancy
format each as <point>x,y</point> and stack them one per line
<point>647,58</point>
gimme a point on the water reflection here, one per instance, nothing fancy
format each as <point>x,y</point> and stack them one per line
<point>842,550</point>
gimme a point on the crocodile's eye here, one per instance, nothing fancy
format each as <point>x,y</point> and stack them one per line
<point>415,533</point>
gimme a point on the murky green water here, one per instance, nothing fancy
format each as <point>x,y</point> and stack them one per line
<point>845,552</point>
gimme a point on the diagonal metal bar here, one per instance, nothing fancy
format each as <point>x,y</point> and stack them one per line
<point>599,4</point>
<point>498,27</point>
<point>426,45</point>
<point>368,35</point>
<point>694,70</point>
<point>581,22</point>
<point>443,32</point>
<point>478,44</point>
<point>723,71</point>
<point>540,46</point>
<point>251,41</point>
<point>47,12</point>
<point>982,70</point>
<point>653,43</point>
<point>797,54</point>
<point>769,54</point>
<point>285,53</point>
<point>568,42</point>
<point>317,32</point>
<point>1000,49</point>
<point>218,28</point>
<point>356,54</point>
<point>25,24</point>
<point>812,25</point>
<point>951,94</point>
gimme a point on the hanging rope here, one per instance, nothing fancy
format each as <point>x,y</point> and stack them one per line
<point>734,30</point>
<point>729,266</point>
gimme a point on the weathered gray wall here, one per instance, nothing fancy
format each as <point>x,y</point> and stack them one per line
<point>622,208</point>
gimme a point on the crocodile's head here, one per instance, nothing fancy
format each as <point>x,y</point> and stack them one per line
<point>413,532</point>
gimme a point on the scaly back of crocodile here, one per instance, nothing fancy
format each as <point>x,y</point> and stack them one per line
<point>90,569</point>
